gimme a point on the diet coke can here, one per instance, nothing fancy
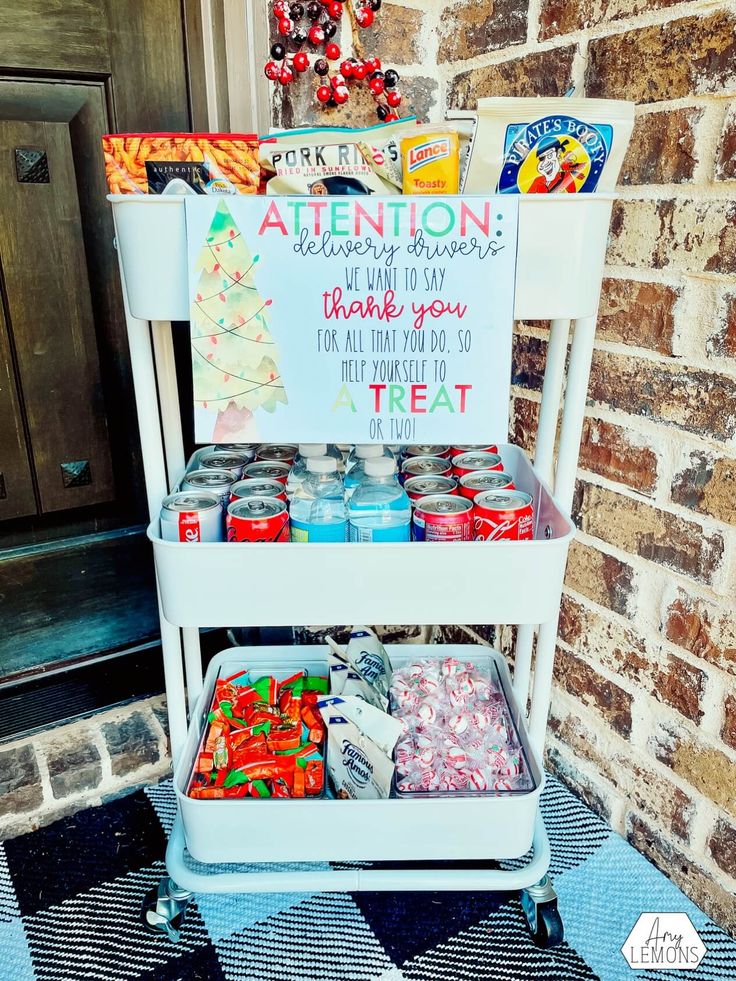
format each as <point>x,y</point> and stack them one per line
<point>268,470</point>
<point>418,449</point>
<point>464,463</point>
<point>419,487</point>
<point>460,448</point>
<point>256,487</point>
<point>480,481</point>
<point>191,516</point>
<point>425,466</point>
<point>443,518</point>
<point>257,519</point>
<point>504,515</point>
<point>224,461</point>
<point>217,481</point>
<point>282,452</point>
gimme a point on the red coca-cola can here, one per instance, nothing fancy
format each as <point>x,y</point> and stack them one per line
<point>281,452</point>
<point>418,488</point>
<point>191,516</point>
<point>425,466</point>
<point>257,519</point>
<point>476,460</point>
<point>461,448</point>
<point>426,449</point>
<point>234,462</point>
<point>443,518</point>
<point>481,481</point>
<point>267,470</point>
<point>504,515</point>
<point>257,487</point>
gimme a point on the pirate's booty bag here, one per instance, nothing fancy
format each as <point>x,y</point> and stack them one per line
<point>548,146</point>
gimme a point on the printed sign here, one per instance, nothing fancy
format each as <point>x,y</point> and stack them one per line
<point>351,319</point>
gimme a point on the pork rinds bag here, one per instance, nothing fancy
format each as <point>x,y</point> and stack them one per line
<point>167,163</point>
<point>548,146</point>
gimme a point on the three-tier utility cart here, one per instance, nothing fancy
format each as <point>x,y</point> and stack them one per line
<point>220,585</point>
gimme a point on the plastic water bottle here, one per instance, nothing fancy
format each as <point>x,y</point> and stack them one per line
<point>355,470</point>
<point>379,510</point>
<point>298,472</point>
<point>318,509</point>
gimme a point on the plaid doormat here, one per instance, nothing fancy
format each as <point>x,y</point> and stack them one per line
<point>70,897</point>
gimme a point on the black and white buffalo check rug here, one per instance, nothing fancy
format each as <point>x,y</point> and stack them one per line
<point>70,898</point>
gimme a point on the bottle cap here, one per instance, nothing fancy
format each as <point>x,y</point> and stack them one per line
<point>382,466</point>
<point>312,449</point>
<point>366,451</point>
<point>321,464</point>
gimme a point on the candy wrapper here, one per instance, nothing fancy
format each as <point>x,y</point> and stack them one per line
<point>181,163</point>
<point>460,738</point>
<point>359,768</point>
<point>548,146</point>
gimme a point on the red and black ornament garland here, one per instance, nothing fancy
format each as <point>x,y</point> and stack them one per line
<point>309,28</point>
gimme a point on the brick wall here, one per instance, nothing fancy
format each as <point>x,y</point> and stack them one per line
<point>643,721</point>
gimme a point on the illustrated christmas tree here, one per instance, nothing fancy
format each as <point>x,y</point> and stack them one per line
<point>234,356</point>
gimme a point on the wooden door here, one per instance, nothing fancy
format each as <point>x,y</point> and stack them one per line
<point>72,71</point>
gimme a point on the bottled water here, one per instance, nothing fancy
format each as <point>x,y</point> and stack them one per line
<point>379,510</point>
<point>298,472</point>
<point>355,467</point>
<point>318,508</point>
<point>366,451</point>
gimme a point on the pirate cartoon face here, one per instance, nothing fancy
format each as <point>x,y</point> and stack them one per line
<point>549,157</point>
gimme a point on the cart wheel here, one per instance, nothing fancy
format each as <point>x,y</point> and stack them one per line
<point>163,909</point>
<point>539,904</point>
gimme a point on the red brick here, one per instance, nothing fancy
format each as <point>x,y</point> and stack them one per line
<point>528,361</point>
<point>701,402</point>
<point>722,846</point>
<point>469,28</point>
<point>679,235</point>
<point>563,16</point>
<point>594,794</point>
<point>582,681</point>
<point>708,485</point>
<point>726,160</point>
<point>716,901</point>
<point>706,768</point>
<point>702,628</point>
<point>524,423</point>
<point>617,453</point>
<point>602,578</point>
<point>728,729</point>
<point>540,73</point>
<point>395,35</point>
<point>722,342</point>
<point>624,652</point>
<point>647,531</point>
<point>662,148</point>
<point>640,314</point>
<point>690,56</point>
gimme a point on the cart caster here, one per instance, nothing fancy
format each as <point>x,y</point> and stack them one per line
<point>539,903</point>
<point>164,907</point>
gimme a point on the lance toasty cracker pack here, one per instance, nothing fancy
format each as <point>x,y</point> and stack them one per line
<point>430,162</point>
<point>548,146</point>
<point>166,163</point>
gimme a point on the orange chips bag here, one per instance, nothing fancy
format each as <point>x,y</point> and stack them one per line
<point>205,163</point>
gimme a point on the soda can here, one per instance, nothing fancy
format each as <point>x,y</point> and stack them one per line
<point>476,460</point>
<point>248,450</point>
<point>257,487</point>
<point>443,518</point>
<point>217,481</point>
<point>257,519</point>
<point>224,461</point>
<point>425,466</point>
<point>267,470</point>
<point>504,515</point>
<point>418,449</point>
<point>281,452</point>
<point>419,487</point>
<point>480,481</point>
<point>460,448</point>
<point>191,516</point>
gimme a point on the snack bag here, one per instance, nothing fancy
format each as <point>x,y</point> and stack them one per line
<point>368,656</point>
<point>345,680</point>
<point>167,163</point>
<point>548,146</point>
<point>382,729</point>
<point>358,768</point>
<point>464,121</point>
<point>430,161</point>
<point>332,160</point>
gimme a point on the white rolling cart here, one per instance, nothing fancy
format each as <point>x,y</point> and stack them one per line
<point>222,585</point>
